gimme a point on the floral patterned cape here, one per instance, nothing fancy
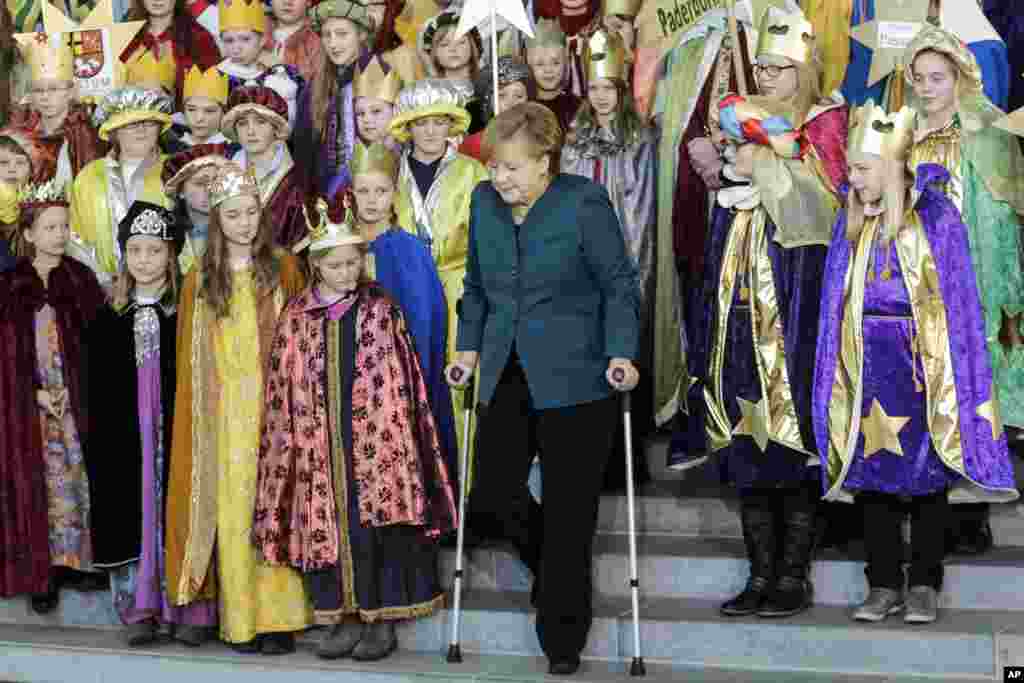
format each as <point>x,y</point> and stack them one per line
<point>400,475</point>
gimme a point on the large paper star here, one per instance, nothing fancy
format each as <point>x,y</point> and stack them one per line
<point>882,432</point>
<point>895,24</point>
<point>966,21</point>
<point>754,422</point>
<point>101,17</point>
<point>476,12</point>
<point>989,411</point>
<point>1012,123</point>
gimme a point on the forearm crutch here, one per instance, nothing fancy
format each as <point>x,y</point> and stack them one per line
<point>454,650</point>
<point>637,668</point>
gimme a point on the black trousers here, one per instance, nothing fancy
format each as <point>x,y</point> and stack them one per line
<point>883,538</point>
<point>555,541</point>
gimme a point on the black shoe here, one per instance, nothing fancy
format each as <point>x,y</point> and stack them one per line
<point>790,596</point>
<point>86,582</point>
<point>564,666</point>
<point>749,601</point>
<point>46,602</point>
<point>973,539</point>
<point>139,635</point>
<point>277,643</point>
<point>379,640</point>
<point>249,647</point>
<point>191,636</point>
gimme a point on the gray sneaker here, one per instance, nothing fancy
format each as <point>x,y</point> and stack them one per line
<point>922,605</point>
<point>881,603</point>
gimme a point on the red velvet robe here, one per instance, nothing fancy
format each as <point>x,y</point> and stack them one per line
<point>285,208</point>
<point>690,217</point>
<point>76,297</point>
<point>193,45</point>
<point>84,144</point>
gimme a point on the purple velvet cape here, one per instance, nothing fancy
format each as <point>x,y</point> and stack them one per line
<point>986,461</point>
<point>797,274</point>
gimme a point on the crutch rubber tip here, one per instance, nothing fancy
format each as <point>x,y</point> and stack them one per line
<point>637,668</point>
<point>455,654</point>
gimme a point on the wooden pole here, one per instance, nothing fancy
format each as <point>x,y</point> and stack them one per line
<point>737,51</point>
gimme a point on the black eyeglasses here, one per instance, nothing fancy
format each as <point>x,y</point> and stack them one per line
<point>770,70</point>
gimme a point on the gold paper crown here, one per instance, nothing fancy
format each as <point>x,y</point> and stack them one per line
<point>146,70</point>
<point>231,181</point>
<point>48,58</point>
<point>373,82</point>
<point>325,234</point>
<point>548,33</point>
<point>873,131</point>
<point>790,36</point>
<point>625,8</point>
<point>241,15</point>
<point>210,83</point>
<point>376,158</point>
<point>605,56</point>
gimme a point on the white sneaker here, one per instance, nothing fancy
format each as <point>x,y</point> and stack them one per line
<point>881,603</point>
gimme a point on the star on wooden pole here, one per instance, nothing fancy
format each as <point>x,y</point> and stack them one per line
<point>476,12</point>
<point>989,411</point>
<point>881,432</point>
<point>754,422</point>
<point>895,24</point>
<point>1012,123</point>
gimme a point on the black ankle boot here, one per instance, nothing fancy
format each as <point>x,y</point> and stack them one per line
<point>758,518</point>
<point>793,592</point>
<point>749,601</point>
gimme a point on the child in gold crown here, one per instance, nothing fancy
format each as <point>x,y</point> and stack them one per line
<point>905,409</point>
<point>363,534</point>
<point>54,119</point>
<point>46,303</point>
<point>243,25</point>
<point>227,315</point>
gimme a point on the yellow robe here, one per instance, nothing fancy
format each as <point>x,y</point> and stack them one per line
<point>95,220</point>
<point>446,210</point>
<point>212,483</point>
<point>831,21</point>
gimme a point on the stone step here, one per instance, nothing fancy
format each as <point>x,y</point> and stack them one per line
<point>716,569</point>
<point>685,633</point>
<point>705,508</point>
<point>56,655</point>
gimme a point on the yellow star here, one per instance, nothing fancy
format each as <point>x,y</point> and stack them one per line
<point>989,410</point>
<point>1012,123</point>
<point>754,422</point>
<point>882,432</point>
<point>896,22</point>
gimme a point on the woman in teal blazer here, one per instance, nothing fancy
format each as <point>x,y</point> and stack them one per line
<point>551,312</point>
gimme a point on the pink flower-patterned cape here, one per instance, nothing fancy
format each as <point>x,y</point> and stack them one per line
<point>400,475</point>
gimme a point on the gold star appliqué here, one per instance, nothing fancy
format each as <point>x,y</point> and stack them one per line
<point>881,432</point>
<point>753,423</point>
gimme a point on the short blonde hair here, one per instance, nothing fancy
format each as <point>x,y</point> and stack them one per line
<point>535,124</point>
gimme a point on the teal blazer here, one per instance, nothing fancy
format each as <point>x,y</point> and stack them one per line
<point>561,287</point>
